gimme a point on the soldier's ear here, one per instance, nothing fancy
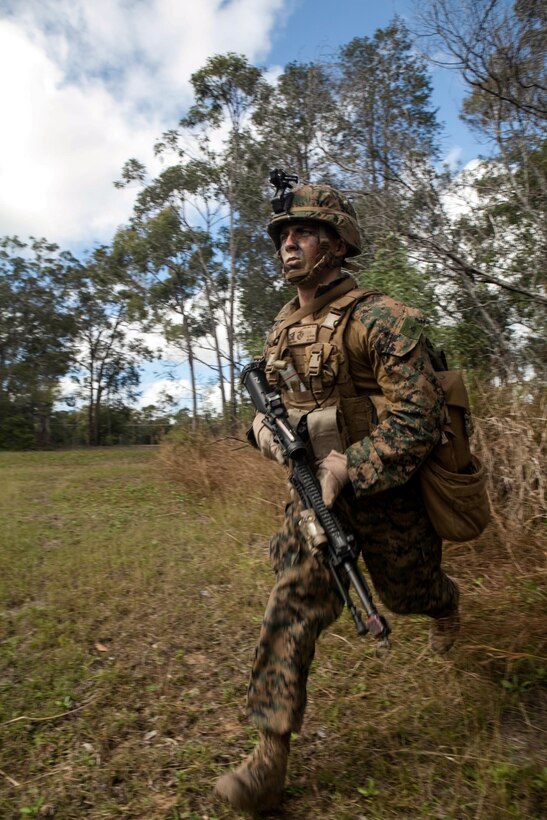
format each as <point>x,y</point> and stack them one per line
<point>340,248</point>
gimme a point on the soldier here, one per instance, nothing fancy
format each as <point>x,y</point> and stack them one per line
<point>356,365</point>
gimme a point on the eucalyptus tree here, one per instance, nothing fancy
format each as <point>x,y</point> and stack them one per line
<point>205,185</point>
<point>289,119</point>
<point>386,139</point>
<point>293,119</point>
<point>162,259</point>
<point>37,331</point>
<point>497,246</point>
<point>172,242</point>
<point>226,91</point>
<point>109,348</point>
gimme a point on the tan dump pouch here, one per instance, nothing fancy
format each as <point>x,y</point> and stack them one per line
<point>326,430</point>
<point>457,503</point>
<point>453,480</point>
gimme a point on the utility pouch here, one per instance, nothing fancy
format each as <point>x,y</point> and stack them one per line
<point>453,481</point>
<point>457,503</point>
<point>453,451</point>
<point>327,431</point>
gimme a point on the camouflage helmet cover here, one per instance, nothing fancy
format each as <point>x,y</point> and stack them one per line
<point>320,203</point>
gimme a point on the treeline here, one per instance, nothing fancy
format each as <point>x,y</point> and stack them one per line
<point>117,424</point>
<point>467,248</point>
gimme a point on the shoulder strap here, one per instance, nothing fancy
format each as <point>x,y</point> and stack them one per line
<point>340,306</point>
<point>316,304</point>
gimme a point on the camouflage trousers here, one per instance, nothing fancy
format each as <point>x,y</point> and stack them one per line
<point>402,554</point>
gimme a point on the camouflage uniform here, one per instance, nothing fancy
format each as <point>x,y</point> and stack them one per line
<point>386,354</point>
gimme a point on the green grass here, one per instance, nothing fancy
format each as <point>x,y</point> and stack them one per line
<point>129,608</point>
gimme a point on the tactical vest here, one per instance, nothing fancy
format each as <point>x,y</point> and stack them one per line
<point>308,364</point>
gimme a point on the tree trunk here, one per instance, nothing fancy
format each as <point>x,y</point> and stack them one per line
<point>231,313</point>
<point>218,352</point>
<point>191,367</point>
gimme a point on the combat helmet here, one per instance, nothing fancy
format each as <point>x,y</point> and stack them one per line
<point>320,203</point>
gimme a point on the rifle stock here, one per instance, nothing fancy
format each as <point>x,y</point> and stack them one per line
<point>321,527</point>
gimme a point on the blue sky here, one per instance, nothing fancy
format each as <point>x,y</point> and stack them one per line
<point>315,30</point>
<point>89,83</point>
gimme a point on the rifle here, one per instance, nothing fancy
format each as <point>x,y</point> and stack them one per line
<point>322,529</point>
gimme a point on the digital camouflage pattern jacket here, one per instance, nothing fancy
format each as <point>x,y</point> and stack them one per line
<point>374,366</point>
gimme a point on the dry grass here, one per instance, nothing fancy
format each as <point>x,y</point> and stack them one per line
<point>223,468</point>
<point>481,714</point>
<point>161,560</point>
<point>512,442</point>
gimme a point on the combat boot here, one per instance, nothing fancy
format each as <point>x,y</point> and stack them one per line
<point>443,632</point>
<point>257,784</point>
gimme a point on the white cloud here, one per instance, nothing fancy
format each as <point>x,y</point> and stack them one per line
<point>209,398</point>
<point>462,197</point>
<point>453,156</point>
<point>88,84</point>
<point>155,392</point>
<point>62,149</point>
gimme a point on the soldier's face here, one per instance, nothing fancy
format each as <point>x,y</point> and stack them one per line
<point>299,246</point>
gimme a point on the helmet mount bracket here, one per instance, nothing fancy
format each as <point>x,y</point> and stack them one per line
<point>283,184</point>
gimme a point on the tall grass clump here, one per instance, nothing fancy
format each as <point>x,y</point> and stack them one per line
<point>511,438</point>
<point>220,468</point>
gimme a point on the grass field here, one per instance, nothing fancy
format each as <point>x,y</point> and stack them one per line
<point>132,584</point>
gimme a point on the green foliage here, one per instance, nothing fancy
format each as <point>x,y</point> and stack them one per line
<point>17,430</point>
<point>118,424</point>
<point>386,102</point>
<point>497,247</point>
<point>34,810</point>
<point>195,257</point>
<point>226,84</point>
<point>369,790</point>
<point>391,272</point>
<point>106,364</point>
<point>37,333</point>
<point>508,68</point>
<point>290,140</point>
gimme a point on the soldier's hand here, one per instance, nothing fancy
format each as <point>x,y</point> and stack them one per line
<point>267,445</point>
<point>332,474</point>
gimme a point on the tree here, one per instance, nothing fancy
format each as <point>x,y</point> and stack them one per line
<point>393,274</point>
<point>37,330</point>
<point>386,138</point>
<point>499,51</point>
<point>293,119</point>
<point>158,253</point>
<point>502,240</point>
<point>108,347</point>
<point>206,187</point>
<point>171,240</point>
<point>227,90</point>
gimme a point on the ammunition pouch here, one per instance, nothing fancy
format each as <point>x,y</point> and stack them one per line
<point>326,430</point>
